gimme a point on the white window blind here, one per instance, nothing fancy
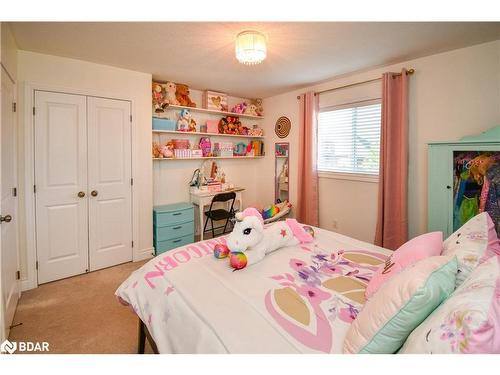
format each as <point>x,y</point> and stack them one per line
<point>349,139</point>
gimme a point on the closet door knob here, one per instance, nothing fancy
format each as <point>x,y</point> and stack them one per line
<point>94,193</point>
<point>6,218</point>
<point>448,187</point>
<point>81,194</point>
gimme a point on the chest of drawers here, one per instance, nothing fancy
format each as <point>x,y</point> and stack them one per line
<point>173,226</point>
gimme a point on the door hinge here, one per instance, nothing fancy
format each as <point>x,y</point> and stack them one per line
<point>130,118</point>
<point>34,189</point>
<point>18,275</point>
<point>14,107</point>
<point>14,192</point>
<point>34,111</point>
<point>132,243</point>
<point>131,181</point>
<point>36,265</point>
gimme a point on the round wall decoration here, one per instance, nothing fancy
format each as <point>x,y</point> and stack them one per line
<point>282,127</point>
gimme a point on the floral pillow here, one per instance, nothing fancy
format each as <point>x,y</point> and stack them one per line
<point>467,322</point>
<point>400,305</point>
<point>421,247</point>
<point>472,244</point>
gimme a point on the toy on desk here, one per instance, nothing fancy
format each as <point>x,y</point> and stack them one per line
<point>250,241</point>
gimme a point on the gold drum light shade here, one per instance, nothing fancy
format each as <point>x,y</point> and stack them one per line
<point>251,47</point>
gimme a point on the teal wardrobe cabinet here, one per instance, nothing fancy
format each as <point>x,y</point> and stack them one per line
<point>463,180</point>
<point>173,226</point>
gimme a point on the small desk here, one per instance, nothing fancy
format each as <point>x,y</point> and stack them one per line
<point>203,199</point>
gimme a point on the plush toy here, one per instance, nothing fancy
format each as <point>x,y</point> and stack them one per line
<point>167,150</point>
<point>239,108</point>
<point>184,120</point>
<point>170,90</point>
<point>251,110</point>
<point>258,106</point>
<point>255,131</point>
<point>156,150</point>
<point>158,97</point>
<point>249,242</point>
<point>182,95</point>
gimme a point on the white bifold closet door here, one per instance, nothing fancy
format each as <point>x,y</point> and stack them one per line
<point>82,184</point>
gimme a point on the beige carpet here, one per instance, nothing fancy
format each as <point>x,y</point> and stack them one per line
<point>79,314</point>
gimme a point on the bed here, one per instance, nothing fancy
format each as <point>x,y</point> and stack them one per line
<point>299,299</point>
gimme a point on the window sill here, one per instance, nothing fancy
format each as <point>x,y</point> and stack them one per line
<point>371,178</point>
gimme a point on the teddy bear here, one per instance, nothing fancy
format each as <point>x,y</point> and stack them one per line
<point>170,90</point>
<point>251,110</point>
<point>156,150</point>
<point>158,97</point>
<point>182,95</point>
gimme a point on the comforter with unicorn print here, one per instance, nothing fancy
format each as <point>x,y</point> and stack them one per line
<point>299,299</point>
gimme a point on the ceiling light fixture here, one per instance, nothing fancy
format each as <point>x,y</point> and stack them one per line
<point>251,47</point>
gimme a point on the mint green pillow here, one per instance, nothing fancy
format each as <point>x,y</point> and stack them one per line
<point>400,305</point>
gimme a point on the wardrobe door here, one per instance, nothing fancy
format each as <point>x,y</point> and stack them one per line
<point>61,185</point>
<point>110,190</point>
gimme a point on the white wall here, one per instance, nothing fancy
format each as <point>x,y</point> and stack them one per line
<point>102,80</point>
<point>452,94</point>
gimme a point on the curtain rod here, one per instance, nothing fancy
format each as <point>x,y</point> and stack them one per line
<point>408,72</point>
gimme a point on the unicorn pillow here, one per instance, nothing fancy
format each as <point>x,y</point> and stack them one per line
<point>468,321</point>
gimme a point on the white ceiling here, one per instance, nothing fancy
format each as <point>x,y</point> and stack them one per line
<point>202,54</point>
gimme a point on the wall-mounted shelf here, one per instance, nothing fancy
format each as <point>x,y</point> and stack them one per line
<point>213,157</point>
<point>212,111</point>
<point>207,134</point>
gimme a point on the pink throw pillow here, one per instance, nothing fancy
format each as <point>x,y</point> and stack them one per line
<point>421,247</point>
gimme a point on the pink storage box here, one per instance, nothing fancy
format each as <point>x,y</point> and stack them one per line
<point>213,126</point>
<point>181,144</point>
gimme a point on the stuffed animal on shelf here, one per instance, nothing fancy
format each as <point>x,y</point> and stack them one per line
<point>156,150</point>
<point>158,97</point>
<point>167,150</point>
<point>250,241</point>
<point>259,109</point>
<point>184,120</point>
<point>170,90</point>
<point>251,110</point>
<point>255,131</point>
<point>182,95</point>
<point>239,108</point>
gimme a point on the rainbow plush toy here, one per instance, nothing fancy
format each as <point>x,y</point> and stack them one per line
<point>270,211</point>
<point>250,241</point>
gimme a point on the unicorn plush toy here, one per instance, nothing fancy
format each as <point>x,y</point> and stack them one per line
<point>250,241</point>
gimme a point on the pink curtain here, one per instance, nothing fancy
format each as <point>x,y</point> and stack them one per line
<point>392,219</point>
<point>307,205</point>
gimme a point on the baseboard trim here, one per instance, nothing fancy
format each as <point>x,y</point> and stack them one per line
<point>143,254</point>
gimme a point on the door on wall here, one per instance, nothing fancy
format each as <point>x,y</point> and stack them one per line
<point>109,168</point>
<point>82,161</point>
<point>8,207</point>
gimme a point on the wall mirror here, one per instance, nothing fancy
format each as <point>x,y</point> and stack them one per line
<point>281,174</point>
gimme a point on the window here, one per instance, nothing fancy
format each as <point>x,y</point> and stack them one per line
<point>349,139</point>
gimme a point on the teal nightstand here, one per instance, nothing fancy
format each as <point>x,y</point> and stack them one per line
<point>173,226</point>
